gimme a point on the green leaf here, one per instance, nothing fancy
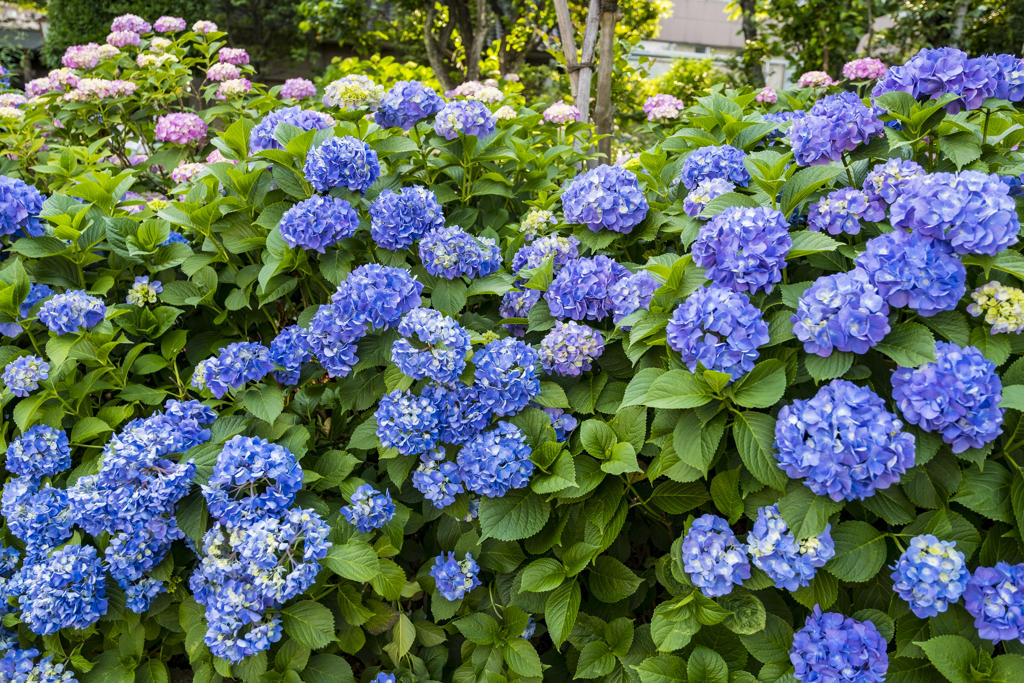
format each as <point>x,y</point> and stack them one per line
<point>516,515</point>
<point>823,591</point>
<point>860,551</point>
<point>763,386</point>
<point>264,401</point>
<point>961,147</point>
<point>1017,499</point>
<point>806,242</point>
<point>595,661</point>
<point>521,656</point>
<point>909,344</point>
<point>1013,397</point>
<point>748,613</point>
<point>772,644</point>
<point>542,575</point>
<point>662,669</point>
<point>598,439</point>
<point>479,628</point>
<point>1007,669</point>
<point>676,389</point>
<point>611,581</point>
<point>706,666</point>
<point>561,609</point>
<point>676,498</point>
<point>987,491</point>
<point>327,669</point>
<point>755,438</point>
<point>995,347</point>
<point>310,623</point>
<point>622,460</point>
<point>449,296</point>
<point>354,560</point>
<point>88,427</point>
<point>673,625</point>
<point>725,492</point>
<point>806,513</point>
<point>952,656</point>
<point>835,365</point>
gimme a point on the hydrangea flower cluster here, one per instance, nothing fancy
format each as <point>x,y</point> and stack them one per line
<point>98,88</point>
<point>767,95</point>
<point>318,222</point>
<point>972,211</point>
<point>452,252</point>
<point>181,128</point>
<point>222,71</point>
<point>290,349</point>
<point>494,462</point>
<point>743,248</point>
<point>412,424</point>
<point>247,465</point>
<point>662,107</point>
<point>262,135</point>
<point>465,117</point>
<point>20,205</point>
<point>143,291</point>
<point>836,124</point>
<point>561,421</point>
<point>815,79</point>
<point>454,579</point>
<point>994,596</point>
<point>369,509</point>
<point>517,304</point>
<point>560,249</point>
<point>204,27</point>
<point>704,192</point>
<point>72,311</point>
<point>505,113</point>
<point>886,180</point>
<point>64,590</point>
<point>843,442</point>
<point>722,162</point>
<point>23,374</point>
<point>832,647</point>
<point>535,223</point>
<point>582,289</point>
<point>632,293</point>
<point>842,312</point>
<point>911,270</point>
<point>342,162</point>
<point>297,89</point>
<point>718,328</point>
<point>437,480</point>
<point>233,55</point>
<point>956,396</point>
<point>42,451</point>
<point>562,113</point>
<point>353,92</point>
<point>123,38</point>
<point>397,220</point>
<point>233,367</point>
<point>864,69</point>
<point>38,516</point>
<point>18,666</point>
<point>605,197</point>
<point>505,376</point>
<point>569,348</point>
<point>1002,306</point>
<point>447,343</point>
<point>930,575</point>
<point>130,22</point>
<point>712,557</point>
<point>788,561</point>
<point>841,211</point>
<point>233,87</point>
<point>406,104</point>
<point>186,171</point>
<point>169,25</point>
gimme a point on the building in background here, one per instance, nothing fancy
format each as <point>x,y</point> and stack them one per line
<point>21,38</point>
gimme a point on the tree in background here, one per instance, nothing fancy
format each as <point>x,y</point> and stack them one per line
<point>686,78</point>
<point>989,27</point>
<point>815,35</point>
<point>268,29</point>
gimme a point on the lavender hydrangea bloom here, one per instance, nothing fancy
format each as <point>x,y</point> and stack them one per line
<point>632,293</point>
<point>318,222</point>
<point>297,89</point>
<point>64,590</point>
<point>886,180</point>
<point>447,343</point>
<point>582,289</point>
<point>333,333</point>
<point>843,442</point>
<point>972,211</point>
<point>718,328</point>
<point>452,252</point>
<point>381,295</point>
<point>23,374</point>
<point>841,211</point>
<point>342,162</point>
<point>930,575</point>
<point>517,304</point>
<point>704,192</point>
<point>465,117</point>
<point>71,311</point>
<point>911,270</point>
<point>605,197</point>
<point>169,25</point>
<point>455,579</point>
<point>994,596</point>
<point>788,561</point>
<point>743,248</point>
<point>244,466</point>
<point>842,312</point>
<point>712,557</point>
<point>130,22</point>
<point>407,422</point>
<point>715,162</point>
<point>506,376</point>
<point>1010,79</point>
<point>569,348</point>
<point>18,665</point>
<point>495,462</point>
<point>560,249</point>
<point>290,349</point>
<point>181,128</point>
<point>932,73</point>
<point>836,124</point>
<point>832,647</point>
<point>42,451</point>
<point>369,509</point>
<point>561,421</point>
<point>437,480</point>
<point>406,104</point>
<point>781,117</point>
<point>262,136</point>
<point>399,219</point>
<point>238,364</point>
<point>956,396</point>
<point>20,205</point>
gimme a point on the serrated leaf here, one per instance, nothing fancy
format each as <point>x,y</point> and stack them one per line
<point>516,515</point>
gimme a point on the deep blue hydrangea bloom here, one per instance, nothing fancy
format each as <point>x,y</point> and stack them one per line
<point>437,480</point>
<point>531,628</point>
<point>318,222</point>
<point>832,647</point>
<point>384,678</point>
<point>447,342</point>
<point>129,557</point>
<point>18,666</point>
<point>582,289</point>
<point>175,237</point>
<point>369,509</point>
<point>406,104</point>
<point>841,211</point>
<point>569,348</point>
<point>381,295</point>
<point>38,516</point>
<point>23,374</point>
<point>744,249</point>
<point>517,304</point>
<point>994,596</point>
<point>956,396</point>
<point>781,117</point>
<point>632,293</point>
<point>262,135</point>
<point>886,180</point>
<point>244,466</point>
<point>836,124</point>
<point>238,364</point>
<point>505,376</point>
<point>42,451</point>
<point>398,220</point>
<point>1010,77</point>
<point>972,211</point>
<point>455,579</point>
<point>407,422</point>
<point>290,349</point>
<point>342,162</point>
<point>65,590</point>
<point>561,421</point>
<point>930,575</point>
<point>704,192</point>
<point>843,442</point>
<point>333,333</point>
<point>467,117</point>
<point>71,311</point>
<point>560,249</point>
<point>494,462</point>
<point>788,561</point>
<point>714,162</point>
<point>452,252</point>
<point>843,311</point>
<point>911,270</point>
<point>932,73</point>
<point>718,328</point>
<point>462,415</point>
<point>20,205</point>
<point>605,197</point>
<point>712,557</point>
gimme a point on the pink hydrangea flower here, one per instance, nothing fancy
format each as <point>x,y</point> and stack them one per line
<point>234,87</point>
<point>767,96</point>
<point>12,99</point>
<point>81,56</point>
<point>99,88</point>
<point>662,106</point>
<point>816,79</point>
<point>467,89</point>
<point>204,26</point>
<point>130,22</point>
<point>513,78</point>
<point>864,69</point>
<point>222,71</point>
<point>169,25</point>
<point>123,38</point>
<point>181,128</point>
<point>217,157</point>
<point>233,55</point>
<point>297,89</point>
<point>186,171</point>
<point>560,112</point>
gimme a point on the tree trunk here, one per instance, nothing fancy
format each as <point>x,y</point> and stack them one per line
<point>748,10</point>
<point>434,54</point>
<point>476,46</point>
<point>871,28</point>
<point>587,59</point>
<point>604,110</point>
<point>959,18</point>
<point>824,48</point>
<point>568,44</point>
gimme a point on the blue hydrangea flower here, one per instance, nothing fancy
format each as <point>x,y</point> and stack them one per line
<point>630,294</point>
<point>318,222</point>
<point>455,579</point>
<point>42,451</point>
<point>23,374</point>
<point>704,192</point>
<point>582,289</point>
<point>129,557</point>
<point>384,678</point>
<point>36,293</point>
<point>743,248</point>
<point>244,466</point>
<point>718,328</point>
<point>342,162</point>
<point>560,249</point>
<point>911,270</point>
<point>1010,77</point>
<point>843,442</point>
<point>715,162</point>
<point>561,421</point>
<point>505,376</point>
<point>369,509</point>
<point>71,311</point>
<point>143,291</point>
<point>17,665</point>
<point>605,197</point>
<point>569,348</point>
<point>262,135</point>
<point>832,647</point>
<point>835,124</point>
<point>531,628</point>
<point>517,304</point>
<point>467,117</point>
<point>788,561</point>
<point>64,590</point>
<point>20,205</point>
<point>175,237</point>
<point>437,480</point>
<point>930,575</point>
<point>886,180</point>
<point>712,557</point>
<point>994,596</point>
<point>956,396</point>
<point>399,219</point>
<point>452,252</point>
<point>237,364</point>
<point>972,211</point>
<point>462,414</point>
<point>843,311</point>
<point>290,349</point>
<point>38,516</point>
<point>841,211</point>
<point>407,422</point>
<point>406,104</point>
<point>333,333</point>
<point>781,117</point>
<point>447,342</point>
<point>496,461</point>
<point>932,73</point>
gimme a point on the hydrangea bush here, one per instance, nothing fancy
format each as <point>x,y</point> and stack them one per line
<point>388,384</point>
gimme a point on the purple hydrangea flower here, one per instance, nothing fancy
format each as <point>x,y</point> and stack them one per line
<point>569,348</point>
<point>180,127</point>
<point>605,197</point>
<point>333,333</point>
<point>318,222</point>
<point>781,117</point>
<point>369,509</point>
<point>20,205</point>
<point>407,422</point>
<point>743,248</point>
<point>290,349</point>
<point>1010,78</point>
<point>131,22</point>
<point>886,180</point>
<point>506,376</point>
<point>262,136</point>
<point>123,38</point>
<point>342,162</point>
<point>712,557</point>
<point>169,25</point>
<point>841,211</point>
<point>297,89</point>
<point>517,304</point>
<point>932,73</point>
<point>994,596</point>
<point>715,162</point>
<point>399,219</point>
<point>18,665</point>
<point>455,579</point>
<point>561,421</point>
<point>561,249</point>
<point>930,575</point>
<point>843,311</point>
<point>704,192</point>
<point>233,55</point>
<point>437,480</point>
<point>406,104</point>
<point>836,124</point>
<point>447,344</point>
<point>493,463</point>
<point>42,451</point>
<point>462,414</point>
<point>582,289</point>
<point>23,374</point>
<point>452,252</point>
<point>465,117</point>
<point>64,590</point>
<point>71,311</point>
<point>832,647</point>
<point>632,293</point>
<point>788,561</point>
